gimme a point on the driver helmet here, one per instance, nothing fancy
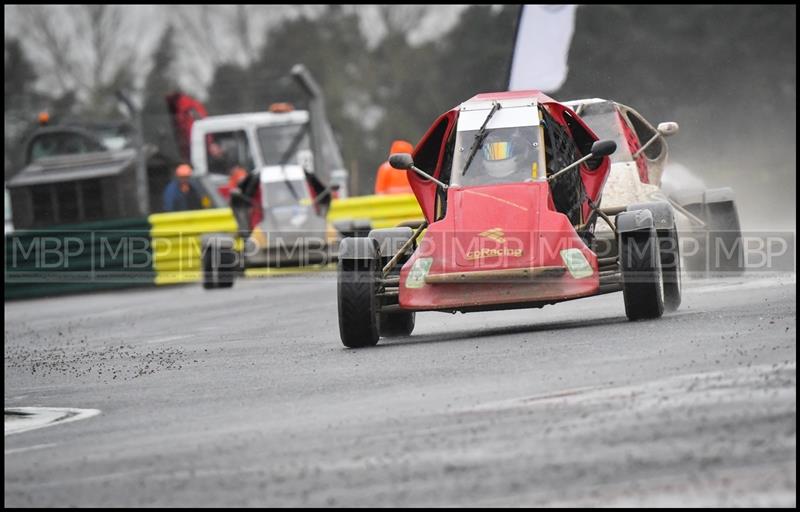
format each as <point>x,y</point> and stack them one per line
<point>503,153</point>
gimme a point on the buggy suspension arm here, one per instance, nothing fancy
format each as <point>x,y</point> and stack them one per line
<point>389,266</point>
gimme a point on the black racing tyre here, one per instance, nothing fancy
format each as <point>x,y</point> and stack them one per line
<point>227,266</point>
<point>669,248</point>
<point>210,281</point>
<point>397,324</point>
<point>642,285</point>
<point>219,264</point>
<point>358,303</point>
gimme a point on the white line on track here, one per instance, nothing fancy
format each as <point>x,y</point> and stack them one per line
<point>30,448</point>
<point>169,338</point>
<point>23,419</point>
<point>711,286</point>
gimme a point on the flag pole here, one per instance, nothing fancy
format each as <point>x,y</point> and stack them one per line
<point>514,46</point>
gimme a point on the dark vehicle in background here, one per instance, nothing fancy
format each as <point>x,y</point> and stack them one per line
<point>81,172</point>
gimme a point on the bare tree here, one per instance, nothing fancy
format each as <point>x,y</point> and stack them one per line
<point>88,49</point>
<point>55,44</point>
<point>215,35</point>
<point>402,19</point>
<point>241,28</point>
<point>228,33</point>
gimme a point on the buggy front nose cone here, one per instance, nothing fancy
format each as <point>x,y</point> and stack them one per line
<point>506,274</point>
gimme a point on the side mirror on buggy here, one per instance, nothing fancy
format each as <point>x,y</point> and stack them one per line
<point>405,162</point>
<point>402,161</point>
<point>600,149</point>
<point>668,128</point>
<point>603,148</point>
<point>664,130</point>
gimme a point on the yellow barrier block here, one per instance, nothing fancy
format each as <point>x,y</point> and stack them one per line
<point>284,271</point>
<point>176,236</point>
<point>219,220</point>
<point>176,239</point>
<point>185,276</point>
<point>383,210</point>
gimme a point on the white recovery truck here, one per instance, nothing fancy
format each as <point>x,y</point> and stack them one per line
<point>278,171</point>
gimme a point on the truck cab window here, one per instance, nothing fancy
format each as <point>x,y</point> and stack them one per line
<point>226,150</point>
<point>62,143</point>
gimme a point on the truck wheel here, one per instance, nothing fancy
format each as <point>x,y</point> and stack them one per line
<point>719,246</point>
<point>358,304</point>
<point>669,249</point>
<point>642,285</point>
<point>695,259</point>
<point>210,275</point>
<point>726,251</point>
<point>397,324</point>
<point>227,267</point>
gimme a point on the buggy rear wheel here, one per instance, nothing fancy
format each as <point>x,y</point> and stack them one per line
<point>397,324</point>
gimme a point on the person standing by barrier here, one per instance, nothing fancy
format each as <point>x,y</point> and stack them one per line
<point>181,194</point>
<point>390,180</point>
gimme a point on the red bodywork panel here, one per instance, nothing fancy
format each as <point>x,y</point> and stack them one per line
<point>593,179</point>
<point>633,146</point>
<point>532,235</point>
<point>497,227</point>
<point>425,190</point>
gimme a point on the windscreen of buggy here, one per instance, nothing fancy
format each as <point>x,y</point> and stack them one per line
<point>505,155</point>
<point>280,143</point>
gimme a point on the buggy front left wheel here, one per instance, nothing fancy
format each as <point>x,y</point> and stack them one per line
<point>358,303</point>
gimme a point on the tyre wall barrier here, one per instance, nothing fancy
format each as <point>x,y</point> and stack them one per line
<point>78,258</point>
<point>176,237</point>
<point>164,248</point>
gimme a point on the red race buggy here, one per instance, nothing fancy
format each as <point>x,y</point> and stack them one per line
<point>511,186</point>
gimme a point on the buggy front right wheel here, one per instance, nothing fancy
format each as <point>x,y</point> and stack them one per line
<point>642,280</point>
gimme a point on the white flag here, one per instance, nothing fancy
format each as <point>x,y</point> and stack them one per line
<point>542,47</point>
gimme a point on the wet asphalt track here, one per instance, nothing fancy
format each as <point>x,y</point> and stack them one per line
<point>246,397</point>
